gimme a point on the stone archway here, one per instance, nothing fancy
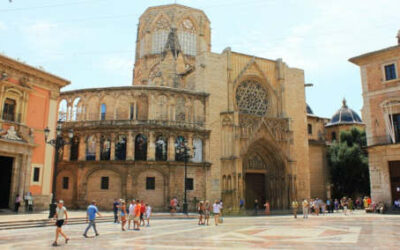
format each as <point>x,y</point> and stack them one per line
<point>266,177</point>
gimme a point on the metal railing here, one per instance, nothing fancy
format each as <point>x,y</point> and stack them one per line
<point>161,123</point>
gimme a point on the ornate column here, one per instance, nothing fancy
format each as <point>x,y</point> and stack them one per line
<point>151,151</point>
<point>82,148</point>
<point>171,148</point>
<point>129,146</point>
<point>98,147</point>
<point>112,153</point>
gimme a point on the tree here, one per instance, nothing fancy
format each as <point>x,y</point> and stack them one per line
<point>348,165</point>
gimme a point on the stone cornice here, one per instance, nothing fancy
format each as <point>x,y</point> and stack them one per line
<point>32,72</point>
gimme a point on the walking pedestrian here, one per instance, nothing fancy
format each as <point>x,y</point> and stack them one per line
<point>131,214</point>
<point>267,208</point>
<point>61,217</point>
<point>148,214</point>
<point>92,210</point>
<point>207,211</point>
<point>306,207</point>
<point>255,207</point>
<point>123,215</point>
<point>200,208</point>
<point>295,206</point>
<point>28,202</point>
<point>136,219</point>
<point>241,204</point>
<point>115,210</point>
<point>216,211</point>
<point>142,213</point>
<point>17,203</point>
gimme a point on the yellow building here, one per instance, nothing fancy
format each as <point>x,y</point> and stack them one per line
<point>243,117</point>
<point>381,111</point>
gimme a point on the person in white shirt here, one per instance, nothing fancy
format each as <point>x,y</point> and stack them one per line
<point>131,215</point>
<point>216,211</point>
<point>148,214</point>
<point>61,217</point>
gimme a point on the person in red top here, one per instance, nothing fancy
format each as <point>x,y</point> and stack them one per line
<point>142,211</point>
<point>136,212</point>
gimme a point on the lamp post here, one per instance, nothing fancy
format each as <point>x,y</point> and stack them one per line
<point>183,149</point>
<point>57,143</point>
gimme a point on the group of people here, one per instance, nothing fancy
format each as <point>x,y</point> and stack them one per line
<point>205,209</point>
<point>27,199</point>
<point>136,212</point>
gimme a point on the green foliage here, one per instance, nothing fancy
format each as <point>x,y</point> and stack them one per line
<point>348,165</point>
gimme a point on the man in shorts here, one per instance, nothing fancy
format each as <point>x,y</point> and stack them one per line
<point>136,212</point>
<point>61,217</point>
<point>131,215</point>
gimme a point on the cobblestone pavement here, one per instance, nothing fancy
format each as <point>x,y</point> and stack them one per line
<point>357,231</point>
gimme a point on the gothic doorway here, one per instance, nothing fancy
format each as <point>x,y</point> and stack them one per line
<point>266,176</point>
<point>255,189</point>
<point>6,164</point>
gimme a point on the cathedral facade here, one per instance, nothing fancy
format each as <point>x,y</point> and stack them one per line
<point>243,118</point>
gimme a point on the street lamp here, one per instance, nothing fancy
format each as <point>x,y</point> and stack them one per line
<point>183,149</point>
<point>57,143</point>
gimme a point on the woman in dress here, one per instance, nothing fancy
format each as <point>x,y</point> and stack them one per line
<point>123,215</point>
<point>201,212</point>
<point>267,208</point>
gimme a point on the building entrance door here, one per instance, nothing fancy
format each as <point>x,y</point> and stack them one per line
<point>255,189</point>
<point>6,164</point>
<point>394,170</point>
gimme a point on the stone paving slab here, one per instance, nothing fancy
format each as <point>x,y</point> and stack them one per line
<point>357,231</point>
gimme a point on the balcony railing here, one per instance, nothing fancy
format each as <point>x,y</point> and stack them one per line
<point>12,117</point>
<point>161,123</point>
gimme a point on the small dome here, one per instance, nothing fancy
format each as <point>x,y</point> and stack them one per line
<point>345,115</point>
<point>309,110</point>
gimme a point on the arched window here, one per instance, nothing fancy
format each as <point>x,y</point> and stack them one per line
<point>76,109</point>
<point>229,182</point>
<point>161,148</point>
<point>120,148</point>
<point>180,109</point>
<point>179,144</point>
<point>105,149</point>
<point>251,98</point>
<point>224,182</point>
<point>198,150</point>
<point>9,109</point>
<point>162,108</point>
<point>103,110</point>
<point>62,110</point>
<point>160,35</point>
<point>74,155</point>
<point>187,37</point>
<point>140,147</point>
<point>91,148</point>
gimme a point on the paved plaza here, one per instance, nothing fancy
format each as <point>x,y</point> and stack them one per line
<point>361,231</point>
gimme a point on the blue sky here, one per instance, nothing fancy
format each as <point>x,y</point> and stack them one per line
<point>92,42</point>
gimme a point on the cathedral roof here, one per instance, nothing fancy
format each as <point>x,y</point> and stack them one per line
<point>345,115</point>
<point>309,110</point>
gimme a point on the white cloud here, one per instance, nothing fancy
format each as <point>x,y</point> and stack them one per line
<point>2,26</point>
<point>116,65</point>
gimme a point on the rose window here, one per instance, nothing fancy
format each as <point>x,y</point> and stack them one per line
<point>251,98</point>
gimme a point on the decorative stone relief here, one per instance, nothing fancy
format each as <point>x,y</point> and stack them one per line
<point>12,134</point>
